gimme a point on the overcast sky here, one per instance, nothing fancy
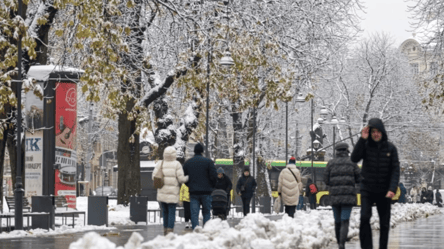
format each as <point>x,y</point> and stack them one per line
<point>389,16</point>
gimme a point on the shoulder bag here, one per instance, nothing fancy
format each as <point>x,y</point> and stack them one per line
<point>158,178</point>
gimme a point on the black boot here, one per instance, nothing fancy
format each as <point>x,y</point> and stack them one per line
<point>344,233</point>
<point>337,231</point>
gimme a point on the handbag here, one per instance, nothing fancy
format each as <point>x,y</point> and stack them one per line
<point>242,188</point>
<point>158,178</point>
<point>277,205</point>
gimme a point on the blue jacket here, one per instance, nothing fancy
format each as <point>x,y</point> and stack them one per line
<point>202,175</point>
<point>250,187</point>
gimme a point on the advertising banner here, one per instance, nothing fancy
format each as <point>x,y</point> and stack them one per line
<point>65,134</point>
<point>33,145</point>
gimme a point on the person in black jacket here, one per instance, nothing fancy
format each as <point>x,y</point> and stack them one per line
<point>380,178</point>
<point>224,182</point>
<point>423,195</point>
<point>311,197</point>
<point>429,195</point>
<point>438,198</point>
<point>341,175</point>
<point>202,178</point>
<point>246,185</point>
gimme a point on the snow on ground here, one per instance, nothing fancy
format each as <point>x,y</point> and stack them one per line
<point>309,229</point>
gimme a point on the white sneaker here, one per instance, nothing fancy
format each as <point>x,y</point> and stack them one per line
<point>187,225</point>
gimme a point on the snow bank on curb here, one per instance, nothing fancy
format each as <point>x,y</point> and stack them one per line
<point>313,229</point>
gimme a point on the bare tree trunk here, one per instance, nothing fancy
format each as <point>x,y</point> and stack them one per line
<point>128,158</point>
<point>2,161</point>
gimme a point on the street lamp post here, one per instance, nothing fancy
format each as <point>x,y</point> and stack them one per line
<point>207,151</point>
<point>313,175</point>
<point>18,218</point>
<point>286,131</point>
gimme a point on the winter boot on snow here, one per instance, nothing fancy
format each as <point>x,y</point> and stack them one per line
<point>344,233</point>
<point>337,231</point>
<point>169,230</point>
<point>165,231</point>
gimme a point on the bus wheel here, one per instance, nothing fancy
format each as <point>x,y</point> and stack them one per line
<point>325,201</point>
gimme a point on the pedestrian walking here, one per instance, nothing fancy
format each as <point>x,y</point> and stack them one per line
<point>438,198</point>
<point>418,196</point>
<point>300,205</point>
<point>429,195</point>
<point>246,186</point>
<point>402,198</point>
<point>380,178</point>
<point>310,191</point>
<point>185,199</point>
<point>202,178</point>
<point>414,194</point>
<point>168,195</point>
<point>224,182</point>
<point>290,186</point>
<point>423,195</point>
<point>340,176</point>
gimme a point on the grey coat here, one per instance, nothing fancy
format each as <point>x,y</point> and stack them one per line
<point>341,175</point>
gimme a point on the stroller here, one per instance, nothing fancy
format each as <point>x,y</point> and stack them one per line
<point>219,203</point>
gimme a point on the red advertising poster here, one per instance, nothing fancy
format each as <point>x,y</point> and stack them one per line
<point>65,134</point>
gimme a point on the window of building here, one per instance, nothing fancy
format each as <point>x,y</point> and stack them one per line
<point>414,67</point>
<point>433,68</point>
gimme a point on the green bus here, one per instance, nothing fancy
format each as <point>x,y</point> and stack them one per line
<point>275,168</point>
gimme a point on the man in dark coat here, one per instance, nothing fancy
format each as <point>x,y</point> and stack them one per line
<point>380,178</point>
<point>224,182</point>
<point>341,175</point>
<point>202,178</point>
<point>246,185</point>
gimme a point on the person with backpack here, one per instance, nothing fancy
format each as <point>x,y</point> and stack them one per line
<point>310,191</point>
<point>380,177</point>
<point>168,195</point>
<point>340,176</point>
<point>246,185</point>
<point>289,186</point>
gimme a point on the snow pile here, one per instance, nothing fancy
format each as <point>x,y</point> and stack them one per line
<point>312,229</point>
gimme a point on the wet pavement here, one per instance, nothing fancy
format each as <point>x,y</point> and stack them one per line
<point>422,233</point>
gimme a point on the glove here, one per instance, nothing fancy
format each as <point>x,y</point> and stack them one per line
<point>279,194</point>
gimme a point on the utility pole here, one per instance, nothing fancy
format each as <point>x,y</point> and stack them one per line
<point>90,147</point>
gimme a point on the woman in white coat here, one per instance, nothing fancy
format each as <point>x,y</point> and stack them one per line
<point>168,195</point>
<point>290,186</point>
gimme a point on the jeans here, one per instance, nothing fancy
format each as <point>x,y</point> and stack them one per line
<point>187,211</point>
<point>246,205</point>
<point>341,213</point>
<point>195,202</point>
<point>301,203</point>
<point>169,214</point>
<point>290,210</point>
<point>383,205</point>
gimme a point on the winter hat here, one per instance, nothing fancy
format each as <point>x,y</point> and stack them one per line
<point>220,170</point>
<point>198,149</point>
<point>341,146</point>
<point>247,169</point>
<point>292,160</point>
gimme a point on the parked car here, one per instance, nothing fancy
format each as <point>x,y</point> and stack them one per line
<point>105,191</point>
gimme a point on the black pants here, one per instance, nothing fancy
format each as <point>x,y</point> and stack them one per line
<point>312,199</point>
<point>187,211</point>
<point>290,210</point>
<point>383,206</point>
<point>246,205</point>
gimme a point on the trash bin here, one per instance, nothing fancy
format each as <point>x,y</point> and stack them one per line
<point>45,204</point>
<point>265,202</point>
<point>98,210</point>
<point>138,208</point>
